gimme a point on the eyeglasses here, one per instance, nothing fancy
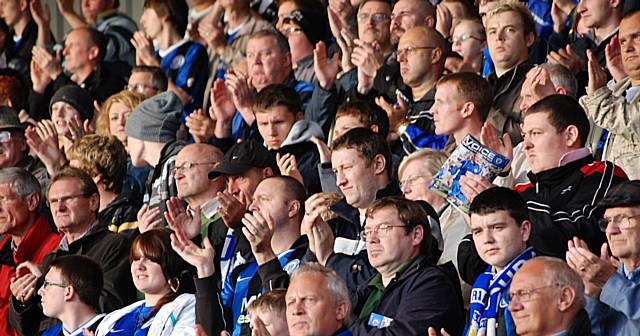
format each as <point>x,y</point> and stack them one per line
<point>290,30</point>
<point>525,295</point>
<point>376,17</point>
<point>188,165</point>
<point>5,137</point>
<point>623,222</point>
<point>140,88</point>
<point>48,283</point>
<point>381,231</point>
<point>293,17</point>
<point>411,50</point>
<point>411,181</point>
<point>64,199</point>
<point>462,38</point>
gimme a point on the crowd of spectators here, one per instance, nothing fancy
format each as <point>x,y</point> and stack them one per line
<point>262,167</point>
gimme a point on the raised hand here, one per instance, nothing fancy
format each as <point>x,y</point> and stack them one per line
<point>39,78</point>
<point>49,64</point>
<point>43,141</point>
<point>41,14</point>
<point>613,57</point>
<point>147,218</point>
<point>444,20</point>
<point>323,149</point>
<point>472,185</point>
<point>567,58</point>
<point>201,127</point>
<point>241,94</point>
<point>594,270</point>
<point>288,166</point>
<point>367,57</point>
<point>23,284</point>
<point>222,109</point>
<point>326,71</point>
<point>231,208</point>
<point>489,138</point>
<point>259,231</point>
<point>200,258</point>
<point>396,112</point>
<point>597,74</point>
<point>320,236</point>
<point>178,218</point>
<point>144,49</point>
<point>432,332</point>
<point>558,15</point>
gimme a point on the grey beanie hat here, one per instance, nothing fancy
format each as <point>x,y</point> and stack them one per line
<point>156,119</point>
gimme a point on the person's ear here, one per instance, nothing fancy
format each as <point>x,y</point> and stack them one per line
<point>467,110</point>
<point>430,21</point>
<point>299,115</point>
<point>267,171</point>
<point>24,5</point>
<point>68,293</point>
<point>566,298</point>
<point>94,53</point>
<point>572,136</point>
<point>294,208</point>
<point>94,202</point>
<point>33,201</point>
<point>287,60</point>
<point>530,39</point>
<point>342,310</point>
<point>561,90</point>
<point>436,55</point>
<point>379,164</point>
<point>417,235</point>
<point>375,128</point>
<point>525,230</point>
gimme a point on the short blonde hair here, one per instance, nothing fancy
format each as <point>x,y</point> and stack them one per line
<point>124,97</point>
<point>528,25</point>
<point>101,155</point>
<point>431,160</point>
<point>272,301</point>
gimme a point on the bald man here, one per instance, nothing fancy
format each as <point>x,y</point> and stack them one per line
<point>547,298</point>
<point>193,164</point>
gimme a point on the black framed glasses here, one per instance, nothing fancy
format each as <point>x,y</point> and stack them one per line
<point>623,222</point>
<point>48,283</point>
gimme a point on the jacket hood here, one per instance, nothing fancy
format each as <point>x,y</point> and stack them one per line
<point>302,131</point>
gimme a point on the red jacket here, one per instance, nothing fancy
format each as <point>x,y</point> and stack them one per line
<point>37,243</point>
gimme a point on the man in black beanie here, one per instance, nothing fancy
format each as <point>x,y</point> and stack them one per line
<point>151,131</point>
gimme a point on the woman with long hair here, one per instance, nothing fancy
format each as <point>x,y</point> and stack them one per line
<point>157,272</point>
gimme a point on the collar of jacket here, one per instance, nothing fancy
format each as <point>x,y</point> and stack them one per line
<point>351,214</point>
<point>93,231</point>
<point>558,175</point>
<point>503,83</point>
<point>36,235</point>
<point>169,150</point>
<point>114,209</point>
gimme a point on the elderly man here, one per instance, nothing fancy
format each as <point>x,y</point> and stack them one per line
<point>547,299</point>
<point>408,294</point>
<point>326,314</point>
<point>13,147</point>
<point>26,234</point>
<point>74,200</point>
<point>612,294</point>
<point>615,108</point>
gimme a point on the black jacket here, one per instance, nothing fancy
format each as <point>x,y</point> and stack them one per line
<point>562,203</point>
<point>111,251</point>
<point>121,214</point>
<point>505,113</point>
<point>420,298</point>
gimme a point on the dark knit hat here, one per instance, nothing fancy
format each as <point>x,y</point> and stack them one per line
<point>312,24</point>
<point>156,119</point>
<point>77,97</point>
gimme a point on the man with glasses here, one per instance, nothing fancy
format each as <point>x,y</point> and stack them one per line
<point>27,235</point>
<point>546,298</point>
<point>147,80</point>
<point>74,200</point>
<point>611,289</point>
<point>408,294</point>
<point>70,293</point>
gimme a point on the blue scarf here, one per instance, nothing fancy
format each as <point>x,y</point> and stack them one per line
<point>484,308</point>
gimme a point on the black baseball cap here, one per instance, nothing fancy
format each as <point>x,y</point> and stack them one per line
<point>9,119</point>
<point>241,157</point>
<point>626,193</point>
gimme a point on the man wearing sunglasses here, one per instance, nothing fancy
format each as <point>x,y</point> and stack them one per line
<point>611,289</point>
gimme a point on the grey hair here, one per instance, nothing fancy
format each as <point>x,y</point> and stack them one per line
<point>562,77</point>
<point>431,160</point>
<point>335,284</point>
<point>20,180</point>
<point>560,274</point>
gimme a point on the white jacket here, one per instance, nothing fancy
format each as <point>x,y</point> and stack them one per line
<point>177,318</point>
